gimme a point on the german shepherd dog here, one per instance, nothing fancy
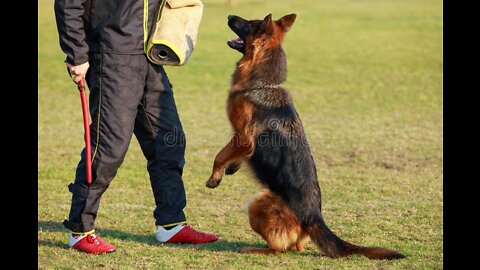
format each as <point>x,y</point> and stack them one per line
<point>269,136</point>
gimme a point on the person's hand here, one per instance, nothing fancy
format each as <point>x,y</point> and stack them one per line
<point>78,72</point>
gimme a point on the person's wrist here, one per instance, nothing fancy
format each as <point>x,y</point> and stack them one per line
<point>77,60</point>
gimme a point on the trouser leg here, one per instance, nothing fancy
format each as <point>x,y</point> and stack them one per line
<point>161,137</point>
<point>116,87</point>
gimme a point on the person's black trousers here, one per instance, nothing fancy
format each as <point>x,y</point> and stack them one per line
<point>129,95</point>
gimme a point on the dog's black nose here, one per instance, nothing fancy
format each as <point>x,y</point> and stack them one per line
<point>230,17</point>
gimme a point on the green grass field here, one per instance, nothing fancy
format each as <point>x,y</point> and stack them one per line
<point>366,78</point>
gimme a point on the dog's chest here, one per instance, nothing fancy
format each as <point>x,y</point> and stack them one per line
<point>273,97</point>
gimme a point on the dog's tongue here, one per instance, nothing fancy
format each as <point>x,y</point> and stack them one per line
<point>235,43</point>
<point>238,41</point>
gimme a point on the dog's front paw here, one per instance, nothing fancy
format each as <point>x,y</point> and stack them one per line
<point>213,183</point>
<point>232,168</point>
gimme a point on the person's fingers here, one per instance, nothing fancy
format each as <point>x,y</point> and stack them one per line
<point>77,78</point>
<point>74,72</point>
<point>79,70</point>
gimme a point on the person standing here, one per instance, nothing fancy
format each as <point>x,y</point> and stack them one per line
<point>104,42</point>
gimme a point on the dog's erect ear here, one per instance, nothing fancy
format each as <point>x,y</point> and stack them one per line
<point>267,24</point>
<point>287,21</point>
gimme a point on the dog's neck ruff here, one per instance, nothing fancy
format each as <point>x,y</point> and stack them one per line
<point>265,86</point>
<point>236,91</point>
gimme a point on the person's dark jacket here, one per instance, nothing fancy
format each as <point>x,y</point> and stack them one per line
<point>102,26</point>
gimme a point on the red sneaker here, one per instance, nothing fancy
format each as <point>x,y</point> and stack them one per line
<point>184,234</point>
<point>90,243</point>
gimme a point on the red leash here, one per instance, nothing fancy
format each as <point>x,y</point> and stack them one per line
<point>86,127</point>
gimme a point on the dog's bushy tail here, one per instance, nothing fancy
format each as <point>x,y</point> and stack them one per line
<point>335,247</point>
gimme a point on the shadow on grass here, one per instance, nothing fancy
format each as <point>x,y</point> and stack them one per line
<point>57,244</point>
<point>218,246</point>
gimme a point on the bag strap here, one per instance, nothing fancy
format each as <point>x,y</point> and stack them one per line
<point>160,9</point>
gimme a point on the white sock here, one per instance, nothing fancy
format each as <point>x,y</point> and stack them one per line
<point>73,239</point>
<point>163,235</point>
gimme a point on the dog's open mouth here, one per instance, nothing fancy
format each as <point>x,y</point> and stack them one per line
<point>236,43</point>
<point>240,27</point>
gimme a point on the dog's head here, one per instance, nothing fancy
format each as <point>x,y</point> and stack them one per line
<point>257,34</point>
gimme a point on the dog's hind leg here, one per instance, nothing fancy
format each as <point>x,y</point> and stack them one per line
<point>296,247</point>
<point>275,245</point>
<point>278,242</point>
<point>299,246</point>
<point>300,241</point>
